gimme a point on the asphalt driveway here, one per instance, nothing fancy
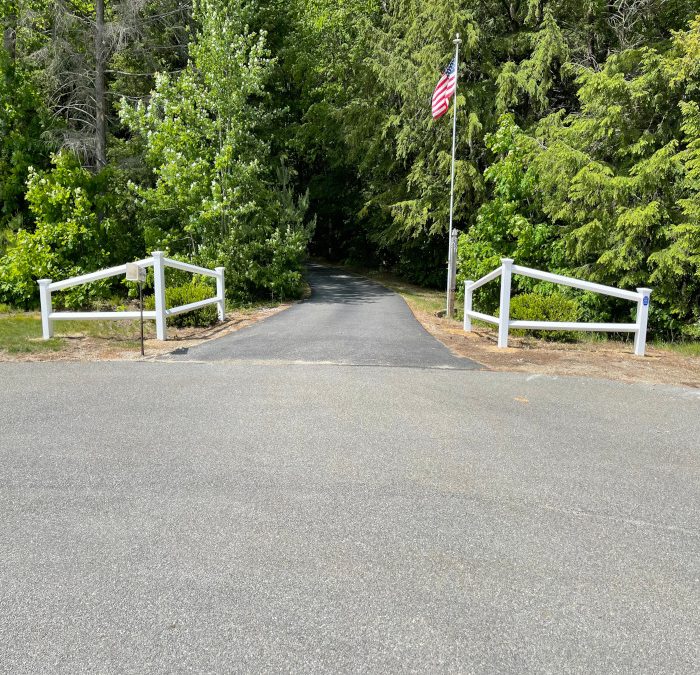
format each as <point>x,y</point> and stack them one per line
<point>348,320</point>
<point>310,510</point>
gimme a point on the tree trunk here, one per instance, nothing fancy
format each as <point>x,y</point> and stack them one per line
<point>9,37</point>
<point>100,94</point>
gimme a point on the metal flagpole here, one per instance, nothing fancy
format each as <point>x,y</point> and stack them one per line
<point>452,253</point>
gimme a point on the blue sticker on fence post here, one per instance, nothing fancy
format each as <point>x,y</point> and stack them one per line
<point>645,302</point>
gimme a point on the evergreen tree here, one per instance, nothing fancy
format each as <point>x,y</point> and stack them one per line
<point>214,195</point>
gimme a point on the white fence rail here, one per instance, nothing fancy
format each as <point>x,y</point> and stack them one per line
<point>158,262</point>
<point>504,323</point>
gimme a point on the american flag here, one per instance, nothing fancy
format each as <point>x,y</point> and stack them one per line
<point>444,90</point>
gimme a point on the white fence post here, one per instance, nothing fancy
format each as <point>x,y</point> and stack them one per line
<point>468,293</point>
<point>640,336</point>
<point>504,311</point>
<point>504,323</point>
<point>45,297</point>
<point>159,292</point>
<point>220,288</point>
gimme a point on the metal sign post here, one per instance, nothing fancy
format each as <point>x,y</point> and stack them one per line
<point>136,273</point>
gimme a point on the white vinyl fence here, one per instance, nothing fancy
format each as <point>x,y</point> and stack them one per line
<point>507,269</point>
<point>158,262</point>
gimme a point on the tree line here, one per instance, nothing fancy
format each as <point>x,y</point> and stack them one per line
<point>247,132</point>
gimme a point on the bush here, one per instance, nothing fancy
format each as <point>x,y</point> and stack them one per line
<point>183,295</point>
<point>83,222</point>
<point>553,307</point>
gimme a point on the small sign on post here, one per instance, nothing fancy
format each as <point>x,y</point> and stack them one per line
<point>134,272</point>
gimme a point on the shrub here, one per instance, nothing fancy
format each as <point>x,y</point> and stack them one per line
<point>553,307</point>
<point>83,223</point>
<point>183,295</point>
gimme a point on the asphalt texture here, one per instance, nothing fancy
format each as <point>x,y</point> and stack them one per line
<point>263,515</point>
<point>348,320</point>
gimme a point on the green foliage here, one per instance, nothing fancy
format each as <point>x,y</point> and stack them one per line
<point>241,124</point>
<point>607,192</point>
<point>76,219</point>
<point>23,120</point>
<point>366,70</point>
<point>420,262</point>
<point>584,174</point>
<point>508,225</point>
<point>551,307</point>
<point>618,176</point>
<point>534,76</point>
<point>215,195</point>
<point>194,291</point>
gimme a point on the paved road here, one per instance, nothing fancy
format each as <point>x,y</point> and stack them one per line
<point>348,320</point>
<point>245,515</point>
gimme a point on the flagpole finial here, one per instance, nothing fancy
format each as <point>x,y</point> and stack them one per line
<point>457,40</point>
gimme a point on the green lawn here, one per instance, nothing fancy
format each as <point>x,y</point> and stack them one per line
<point>684,348</point>
<point>20,332</point>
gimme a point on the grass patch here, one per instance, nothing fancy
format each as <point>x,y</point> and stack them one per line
<point>20,333</point>
<point>683,348</point>
<point>425,299</point>
<point>123,331</point>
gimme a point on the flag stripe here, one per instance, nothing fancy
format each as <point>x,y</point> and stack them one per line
<point>439,91</point>
<point>443,89</point>
<point>446,86</point>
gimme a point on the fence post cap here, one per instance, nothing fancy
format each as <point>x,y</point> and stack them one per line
<point>644,291</point>
<point>157,254</point>
<point>219,269</point>
<point>506,260</point>
<point>43,282</point>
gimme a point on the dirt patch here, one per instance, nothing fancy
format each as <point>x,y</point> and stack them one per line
<point>125,346</point>
<point>610,360</point>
